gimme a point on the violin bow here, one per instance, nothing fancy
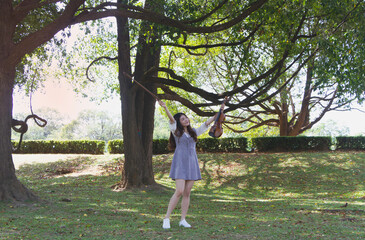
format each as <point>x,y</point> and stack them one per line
<point>134,80</point>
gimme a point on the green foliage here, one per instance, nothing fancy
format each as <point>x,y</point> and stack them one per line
<point>338,66</point>
<point>89,42</point>
<point>76,146</point>
<point>234,144</point>
<point>115,146</point>
<point>159,146</point>
<point>342,55</point>
<point>222,145</point>
<point>208,145</point>
<point>260,144</point>
<point>241,145</point>
<point>288,144</point>
<point>339,62</point>
<point>34,67</point>
<point>350,143</point>
<point>36,20</point>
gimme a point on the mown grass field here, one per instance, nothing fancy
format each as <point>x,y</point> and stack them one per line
<point>242,196</point>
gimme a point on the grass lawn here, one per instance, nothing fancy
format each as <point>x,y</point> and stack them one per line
<point>242,196</point>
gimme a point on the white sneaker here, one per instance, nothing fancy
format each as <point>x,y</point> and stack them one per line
<point>166,223</point>
<point>184,223</point>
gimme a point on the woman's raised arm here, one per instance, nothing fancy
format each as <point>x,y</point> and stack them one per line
<point>162,104</point>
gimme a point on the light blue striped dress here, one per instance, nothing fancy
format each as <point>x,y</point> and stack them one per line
<point>185,161</point>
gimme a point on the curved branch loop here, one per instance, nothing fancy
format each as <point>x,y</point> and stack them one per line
<point>23,127</point>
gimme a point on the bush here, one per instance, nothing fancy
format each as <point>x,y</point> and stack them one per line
<point>350,143</point>
<point>233,144</point>
<point>160,146</point>
<point>74,146</point>
<point>222,145</point>
<point>116,146</point>
<point>288,144</point>
<point>261,144</point>
<point>207,145</point>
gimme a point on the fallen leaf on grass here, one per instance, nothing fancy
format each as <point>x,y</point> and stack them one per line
<point>239,226</point>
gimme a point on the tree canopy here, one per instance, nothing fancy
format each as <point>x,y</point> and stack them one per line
<point>271,52</point>
<point>275,39</point>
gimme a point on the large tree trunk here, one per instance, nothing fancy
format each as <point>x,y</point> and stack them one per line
<point>10,187</point>
<point>138,118</point>
<point>138,109</point>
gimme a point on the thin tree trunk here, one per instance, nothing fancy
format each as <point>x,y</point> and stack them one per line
<point>303,118</point>
<point>283,118</point>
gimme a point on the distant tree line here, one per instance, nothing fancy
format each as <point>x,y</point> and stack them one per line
<point>102,125</point>
<point>90,124</point>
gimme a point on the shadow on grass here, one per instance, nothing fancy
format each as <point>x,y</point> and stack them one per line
<point>241,196</point>
<point>286,174</point>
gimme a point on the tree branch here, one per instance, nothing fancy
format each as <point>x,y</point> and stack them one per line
<point>163,20</point>
<point>34,40</point>
<point>266,122</point>
<point>170,95</point>
<point>22,10</point>
<point>96,60</point>
<point>224,44</point>
<point>202,18</point>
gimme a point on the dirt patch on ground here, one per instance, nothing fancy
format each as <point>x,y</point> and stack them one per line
<point>20,159</point>
<point>92,170</point>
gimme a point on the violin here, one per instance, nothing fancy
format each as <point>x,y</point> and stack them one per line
<point>216,130</point>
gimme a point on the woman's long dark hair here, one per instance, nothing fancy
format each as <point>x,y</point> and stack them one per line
<point>180,131</point>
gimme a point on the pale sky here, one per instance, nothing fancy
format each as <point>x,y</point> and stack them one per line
<point>61,97</point>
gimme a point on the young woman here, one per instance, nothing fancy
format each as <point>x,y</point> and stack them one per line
<point>184,168</point>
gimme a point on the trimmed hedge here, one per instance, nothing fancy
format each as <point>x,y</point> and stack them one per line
<point>350,143</point>
<point>260,144</point>
<point>287,144</point>
<point>222,145</point>
<point>159,146</point>
<point>72,146</point>
<point>115,146</point>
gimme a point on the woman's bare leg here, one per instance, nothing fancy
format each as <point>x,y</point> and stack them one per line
<point>186,198</point>
<point>180,186</point>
